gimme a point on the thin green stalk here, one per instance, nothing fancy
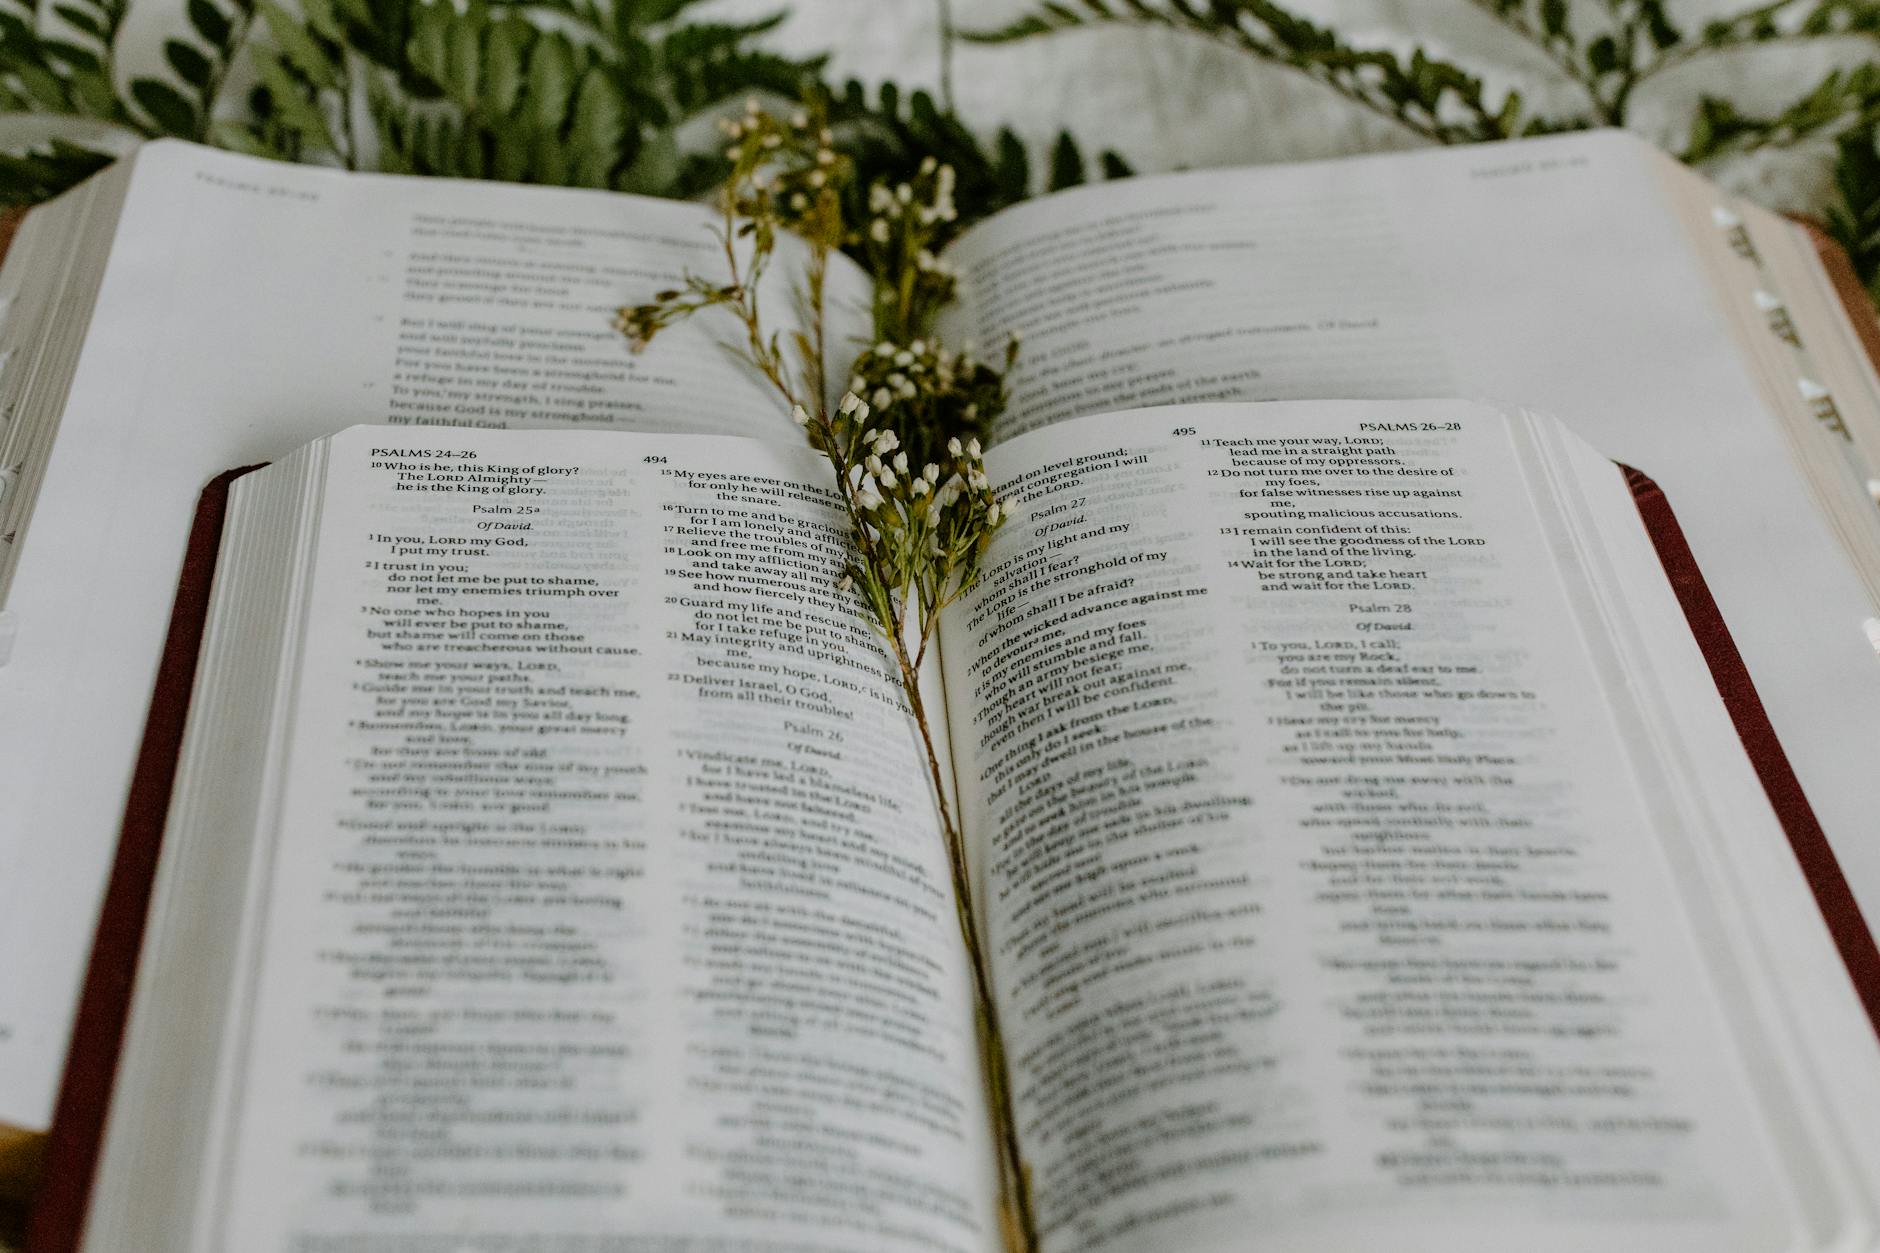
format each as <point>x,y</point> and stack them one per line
<point>917,539</point>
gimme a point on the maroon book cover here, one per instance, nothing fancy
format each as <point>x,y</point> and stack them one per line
<point>58,1214</point>
<point>1851,934</point>
<point>57,1221</point>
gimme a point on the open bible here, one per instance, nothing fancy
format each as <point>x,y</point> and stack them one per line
<point>189,310</point>
<point>1365,853</point>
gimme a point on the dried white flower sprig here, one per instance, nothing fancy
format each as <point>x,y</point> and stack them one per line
<point>903,443</point>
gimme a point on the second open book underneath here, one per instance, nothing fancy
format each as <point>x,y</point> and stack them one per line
<point>1365,852</point>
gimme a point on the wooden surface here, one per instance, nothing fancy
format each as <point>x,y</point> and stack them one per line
<point>1847,285</point>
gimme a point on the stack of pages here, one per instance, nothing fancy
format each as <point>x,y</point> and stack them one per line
<point>1367,849</point>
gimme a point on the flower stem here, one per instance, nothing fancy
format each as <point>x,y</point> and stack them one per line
<point>1020,1227</point>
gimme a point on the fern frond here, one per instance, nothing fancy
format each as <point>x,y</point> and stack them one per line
<point>1854,217</point>
<point>42,172</point>
<point>1845,98</point>
<point>888,138</point>
<point>1433,97</point>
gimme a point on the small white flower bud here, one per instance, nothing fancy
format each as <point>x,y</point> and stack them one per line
<point>849,401</point>
<point>900,462</point>
<point>800,415</point>
<point>878,230</point>
<point>882,398</point>
<point>972,449</point>
<point>953,446</point>
<point>927,165</point>
<point>931,473</point>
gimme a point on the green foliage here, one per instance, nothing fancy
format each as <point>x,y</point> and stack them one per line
<point>34,176</point>
<point>1840,103</point>
<point>889,137</point>
<point>1854,219</point>
<point>61,64</point>
<point>1430,96</point>
<point>579,92</point>
<point>1606,49</point>
<point>50,74</point>
<point>1628,43</point>
<point>568,92</point>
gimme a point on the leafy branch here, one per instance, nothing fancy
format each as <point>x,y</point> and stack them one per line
<point>1608,51</point>
<point>890,136</point>
<point>63,65</point>
<point>567,92</point>
<point>1854,220</point>
<point>1627,44</point>
<point>581,92</point>
<point>1431,97</point>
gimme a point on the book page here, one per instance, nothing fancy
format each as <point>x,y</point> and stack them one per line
<point>605,905</point>
<point>249,307</point>
<point>1554,274</point>
<point>1326,897</point>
